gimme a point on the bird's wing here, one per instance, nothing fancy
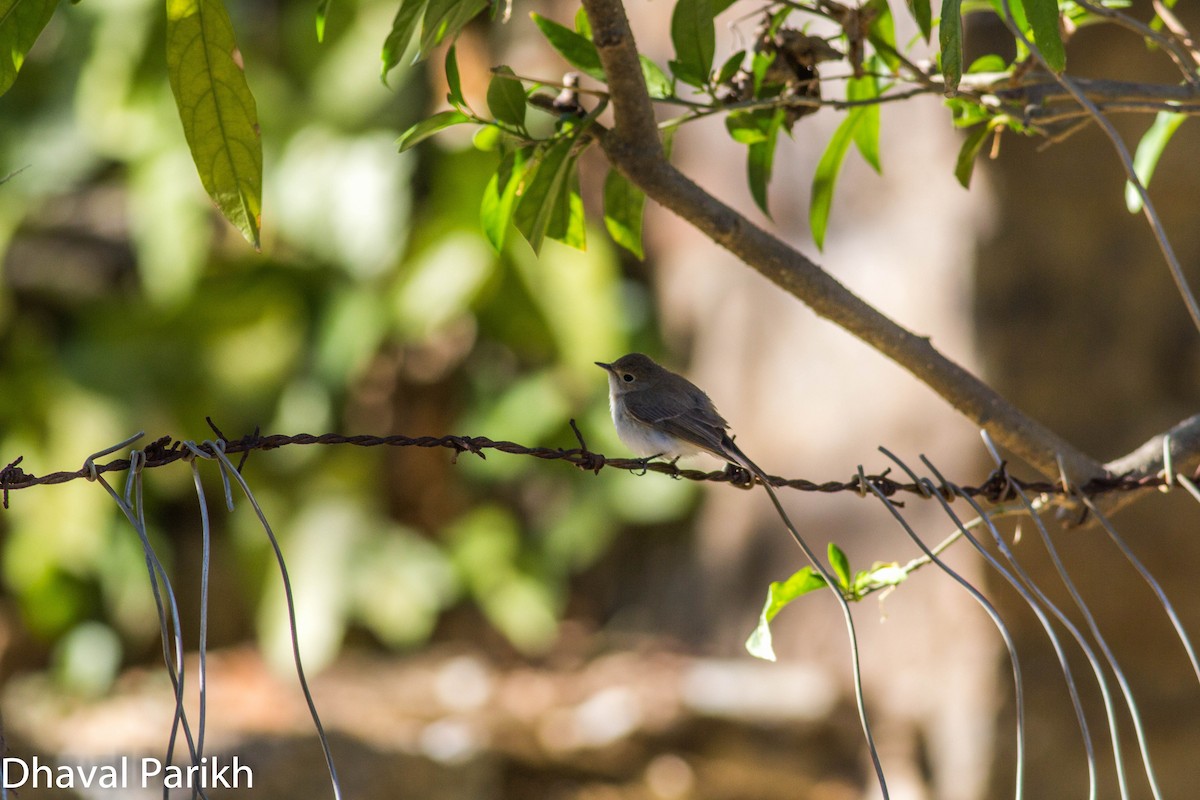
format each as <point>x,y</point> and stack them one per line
<point>699,424</point>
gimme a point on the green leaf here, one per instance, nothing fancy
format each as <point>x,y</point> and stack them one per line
<point>576,49</point>
<point>988,63</point>
<point>825,177</point>
<point>544,194</point>
<point>658,83</point>
<point>866,132</point>
<point>500,197</point>
<point>779,595</point>
<point>583,25</point>
<point>731,67</point>
<point>21,22</point>
<point>951,44</point>
<point>840,564</point>
<point>1149,150</point>
<point>506,98</point>
<point>760,161</point>
<point>1018,13</point>
<point>322,14</point>
<point>695,41</point>
<point>404,25</point>
<point>428,127</point>
<point>444,19</point>
<point>1043,18</point>
<point>220,120</point>
<point>964,167</point>
<point>624,207</point>
<point>922,15</point>
<point>881,32</point>
<point>750,127</point>
<point>453,81</point>
<point>567,224</point>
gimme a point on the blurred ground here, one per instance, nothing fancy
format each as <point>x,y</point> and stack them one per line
<point>641,724</point>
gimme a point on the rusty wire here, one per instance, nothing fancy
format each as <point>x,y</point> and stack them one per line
<point>997,488</point>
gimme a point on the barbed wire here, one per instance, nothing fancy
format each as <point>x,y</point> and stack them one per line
<point>997,488</point>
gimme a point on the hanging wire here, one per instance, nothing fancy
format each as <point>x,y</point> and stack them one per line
<point>229,469</point>
<point>983,602</point>
<point>133,508</point>
<point>848,616</point>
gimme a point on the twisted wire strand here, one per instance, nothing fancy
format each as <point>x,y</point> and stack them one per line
<point>1000,486</point>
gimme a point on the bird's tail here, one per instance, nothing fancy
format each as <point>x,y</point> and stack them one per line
<point>735,454</point>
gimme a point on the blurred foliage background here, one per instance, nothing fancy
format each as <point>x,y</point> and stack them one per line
<point>376,306</point>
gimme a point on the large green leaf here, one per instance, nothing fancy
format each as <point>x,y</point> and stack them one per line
<point>506,98</point>
<point>404,25</point>
<point>779,595</point>
<point>694,37</point>
<point>322,16</point>
<point>882,32</point>
<point>825,177</point>
<point>578,50</point>
<point>1149,150</point>
<point>624,208</point>
<point>964,167</point>
<point>444,19</point>
<point>500,197</point>
<point>21,22</point>
<point>866,132</point>
<point>539,206</point>
<point>1043,18</point>
<point>429,126</point>
<point>760,160</point>
<point>951,44</point>
<point>220,120</point>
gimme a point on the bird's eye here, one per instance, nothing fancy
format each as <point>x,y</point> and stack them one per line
<point>627,378</point>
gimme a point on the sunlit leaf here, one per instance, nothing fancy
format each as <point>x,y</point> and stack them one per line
<point>220,120</point>
<point>779,595</point>
<point>866,132</point>
<point>1149,150</point>
<point>21,22</point>
<point>583,25</point>
<point>750,127</point>
<point>988,63</point>
<point>444,19</point>
<point>500,197</point>
<point>506,98</point>
<point>404,25</point>
<point>576,49</point>
<point>825,177</point>
<point>322,15</point>
<point>541,196</point>
<point>694,37</point>
<point>624,207</point>
<point>964,167</point>
<point>429,126</point>
<point>760,161</point>
<point>951,44</point>
<point>840,564</point>
<point>881,32</point>
<point>568,225</point>
<point>658,83</point>
<point>1043,18</point>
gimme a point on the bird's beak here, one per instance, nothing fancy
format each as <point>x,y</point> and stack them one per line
<point>608,367</point>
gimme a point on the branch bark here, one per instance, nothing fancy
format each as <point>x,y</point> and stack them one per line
<point>632,145</point>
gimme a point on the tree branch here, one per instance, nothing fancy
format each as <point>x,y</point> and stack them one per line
<point>632,145</point>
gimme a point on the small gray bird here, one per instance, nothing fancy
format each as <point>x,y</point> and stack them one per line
<point>659,413</point>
